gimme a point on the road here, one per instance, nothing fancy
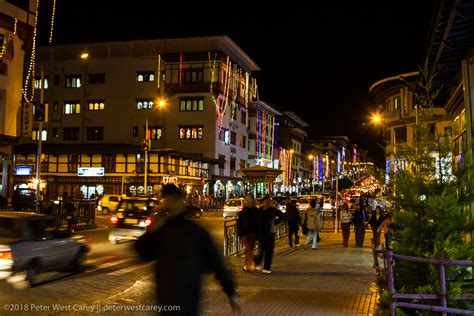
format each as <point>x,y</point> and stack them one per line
<point>111,271</point>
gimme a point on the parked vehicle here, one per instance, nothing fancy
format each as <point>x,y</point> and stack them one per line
<point>24,199</point>
<point>232,207</point>
<point>193,211</point>
<point>108,203</point>
<point>31,244</point>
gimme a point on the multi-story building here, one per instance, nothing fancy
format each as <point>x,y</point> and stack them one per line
<point>450,60</point>
<point>336,160</point>
<point>263,139</point>
<point>16,33</point>
<point>401,119</point>
<point>188,96</point>
<point>291,135</point>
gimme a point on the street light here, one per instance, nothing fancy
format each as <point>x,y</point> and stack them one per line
<point>84,55</point>
<point>311,158</point>
<point>147,145</point>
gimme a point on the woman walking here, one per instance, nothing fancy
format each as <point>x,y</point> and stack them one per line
<point>346,219</point>
<point>313,224</point>
<point>375,222</point>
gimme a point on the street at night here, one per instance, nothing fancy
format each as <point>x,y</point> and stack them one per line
<point>236,158</point>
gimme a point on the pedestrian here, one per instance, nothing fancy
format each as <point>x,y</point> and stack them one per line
<point>386,228</point>
<point>360,221</point>
<point>313,224</point>
<point>375,221</point>
<point>294,221</point>
<point>346,219</point>
<point>183,252</point>
<point>247,229</point>
<point>269,218</point>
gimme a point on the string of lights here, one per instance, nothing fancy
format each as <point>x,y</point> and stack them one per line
<point>31,68</point>
<point>53,13</point>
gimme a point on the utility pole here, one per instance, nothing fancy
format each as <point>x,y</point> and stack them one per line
<point>40,141</point>
<point>146,147</point>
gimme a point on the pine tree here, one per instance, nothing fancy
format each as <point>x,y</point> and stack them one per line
<point>430,218</point>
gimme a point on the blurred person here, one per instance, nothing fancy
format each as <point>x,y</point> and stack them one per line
<point>313,224</point>
<point>294,221</point>
<point>386,229</point>
<point>247,227</point>
<point>269,218</point>
<point>360,221</point>
<point>346,219</point>
<point>375,221</point>
<point>183,252</point>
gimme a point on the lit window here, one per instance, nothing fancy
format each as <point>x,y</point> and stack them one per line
<point>140,78</point>
<point>191,104</point>
<point>191,132</point>
<point>96,105</point>
<point>200,132</point>
<point>145,76</point>
<point>143,104</point>
<point>72,107</point>
<point>188,133</point>
<point>194,133</point>
<point>182,133</point>
<point>73,81</point>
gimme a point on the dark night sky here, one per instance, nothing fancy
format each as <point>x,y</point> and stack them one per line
<point>316,59</point>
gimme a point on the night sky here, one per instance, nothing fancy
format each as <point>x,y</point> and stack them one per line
<point>317,59</point>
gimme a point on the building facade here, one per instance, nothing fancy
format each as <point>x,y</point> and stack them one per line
<point>16,34</point>
<point>404,122</point>
<point>183,102</point>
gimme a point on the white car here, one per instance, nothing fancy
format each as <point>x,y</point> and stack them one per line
<point>30,244</point>
<point>232,207</point>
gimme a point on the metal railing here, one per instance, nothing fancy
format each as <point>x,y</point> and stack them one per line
<point>399,300</point>
<point>82,218</point>
<point>233,245</point>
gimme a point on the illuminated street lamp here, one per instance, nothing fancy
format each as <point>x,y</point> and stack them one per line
<point>84,55</point>
<point>311,158</point>
<point>147,145</point>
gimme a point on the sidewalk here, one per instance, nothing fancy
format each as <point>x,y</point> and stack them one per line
<point>331,280</point>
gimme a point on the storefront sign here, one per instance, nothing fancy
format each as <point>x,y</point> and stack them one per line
<point>90,171</point>
<point>23,171</point>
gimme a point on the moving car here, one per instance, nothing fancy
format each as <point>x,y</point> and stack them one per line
<point>133,216</point>
<point>108,203</point>
<point>31,244</point>
<point>232,207</point>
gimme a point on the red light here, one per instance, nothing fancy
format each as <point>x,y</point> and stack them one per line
<point>148,221</point>
<point>114,219</point>
<point>5,254</point>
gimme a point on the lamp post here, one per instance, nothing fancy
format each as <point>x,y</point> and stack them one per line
<point>290,167</point>
<point>40,141</point>
<point>311,158</point>
<point>147,145</point>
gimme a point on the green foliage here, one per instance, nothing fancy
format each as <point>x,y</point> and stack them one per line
<point>431,216</point>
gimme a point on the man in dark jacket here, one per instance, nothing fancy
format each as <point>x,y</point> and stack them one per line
<point>183,251</point>
<point>294,220</point>
<point>269,218</point>
<point>247,229</point>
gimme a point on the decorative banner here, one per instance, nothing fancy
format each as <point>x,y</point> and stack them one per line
<point>338,168</point>
<point>354,154</point>
<point>321,169</point>
<point>343,158</point>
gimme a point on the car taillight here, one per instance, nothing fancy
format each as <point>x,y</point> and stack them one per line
<point>114,219</point>
<point>5,254</point>
<point>84,241</point>
<point>148,221</point>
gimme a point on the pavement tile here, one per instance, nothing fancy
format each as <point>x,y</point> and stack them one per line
<point>332,280</point>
